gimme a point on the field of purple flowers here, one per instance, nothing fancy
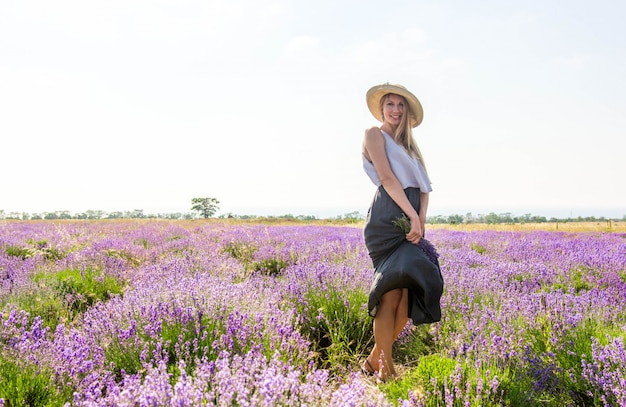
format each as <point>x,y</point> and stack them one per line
<point>160,313</point>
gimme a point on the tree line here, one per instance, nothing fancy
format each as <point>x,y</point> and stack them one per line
<point>352,217</point>
<point>94,214</point>
<point>140,214</point>
<point>207,208</point>
<point>507,217</point>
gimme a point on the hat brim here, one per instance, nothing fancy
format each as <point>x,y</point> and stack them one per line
<point>376,93</point>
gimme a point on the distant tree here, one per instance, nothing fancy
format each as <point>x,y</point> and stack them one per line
<point>135,214</point>
<point>437,219</point>
<point>58,215</point>
<point>94,214</point>
<point>455,219</point>
<point>206,207</point>
<point>492,218</point>
<point>351,216</point>
<point>306,217</point>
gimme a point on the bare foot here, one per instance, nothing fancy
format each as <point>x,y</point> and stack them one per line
<point>367,368</point>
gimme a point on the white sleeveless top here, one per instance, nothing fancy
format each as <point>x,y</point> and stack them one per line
<point>407,169</point>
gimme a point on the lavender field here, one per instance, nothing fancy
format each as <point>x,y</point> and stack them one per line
<point>173,313</point>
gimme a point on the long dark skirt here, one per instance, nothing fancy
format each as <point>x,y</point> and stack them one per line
<point>399,263</point>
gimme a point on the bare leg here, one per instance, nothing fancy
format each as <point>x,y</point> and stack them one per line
<point>389,321</point>
<point>402,314</point>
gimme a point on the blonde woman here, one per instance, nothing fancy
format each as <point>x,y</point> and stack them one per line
<point>407,281</point>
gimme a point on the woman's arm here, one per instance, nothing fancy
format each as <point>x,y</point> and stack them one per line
<point>374,150</point>
<point>423,209</point>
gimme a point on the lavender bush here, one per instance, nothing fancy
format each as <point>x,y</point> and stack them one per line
<point>166,313</point>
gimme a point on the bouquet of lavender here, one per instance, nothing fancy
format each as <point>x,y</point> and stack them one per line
<point>404,224</point>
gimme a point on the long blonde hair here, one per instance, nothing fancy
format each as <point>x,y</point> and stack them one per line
<point>404,132</point>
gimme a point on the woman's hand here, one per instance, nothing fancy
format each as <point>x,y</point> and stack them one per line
<point>415,234</point>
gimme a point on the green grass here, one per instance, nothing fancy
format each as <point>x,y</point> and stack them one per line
<point>26,385</point>
<point>574,280</point>
<point>244,252</point>
<point>62,296</point>
<point>426,379</point>
<point>337,325</point>
<point>270,267</point>
<point>561,362</point>
<point>478,248</point>
<point>80,289</point>
<point>40,247</point>
<point>189,342</point>
<point>142,242</point>
<point>416,343</point>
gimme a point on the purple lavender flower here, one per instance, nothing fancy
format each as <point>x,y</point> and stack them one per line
<point>199,328</point>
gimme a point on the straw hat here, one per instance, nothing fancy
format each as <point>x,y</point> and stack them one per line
<point>376,93</point>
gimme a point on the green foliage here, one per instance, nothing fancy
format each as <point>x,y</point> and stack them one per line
<point>205,206</point>
<point>123,357</point>
<point>45,304</point>
<point>561,360</point>
<point>337,325</point>
<point>352,217</point>
<point>189,341</point>
<point>427,378</point>
<point>522,277</point>
<point>69,292</point>
<point>436,377</point>
<point>244,252</point>
<point>27,385</point>
<point>415,343</point>
<point>478,248</point>
<point>575,281</point>
<point>403,223</point>
<point>434,367</point>
<point>21,252</point>
<point>622,275</point>
<point>39,248</point>
<point>82,289</point>
<point>270,267</point>
<point>128,257</point>
<point>142,242</point>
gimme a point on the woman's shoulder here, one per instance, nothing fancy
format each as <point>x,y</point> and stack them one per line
<point>373,131</point>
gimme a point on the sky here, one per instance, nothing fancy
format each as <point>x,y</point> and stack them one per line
<point>124,105</point>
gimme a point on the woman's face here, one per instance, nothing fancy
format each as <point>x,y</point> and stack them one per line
<point>393,109</point>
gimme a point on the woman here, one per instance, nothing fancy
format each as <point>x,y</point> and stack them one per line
<point>407,281</point>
